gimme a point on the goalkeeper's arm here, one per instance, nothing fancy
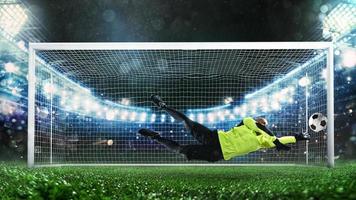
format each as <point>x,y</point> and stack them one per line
<point>252,125</point>
<point>265,129</point>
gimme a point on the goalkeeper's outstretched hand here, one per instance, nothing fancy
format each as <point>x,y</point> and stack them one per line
<point>280,146</point>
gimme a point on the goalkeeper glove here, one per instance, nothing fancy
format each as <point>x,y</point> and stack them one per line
<point>280,146</point>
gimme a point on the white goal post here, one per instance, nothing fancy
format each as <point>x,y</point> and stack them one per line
<point>86,101</point>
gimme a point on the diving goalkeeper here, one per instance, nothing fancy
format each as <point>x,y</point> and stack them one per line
<point>248,136</point>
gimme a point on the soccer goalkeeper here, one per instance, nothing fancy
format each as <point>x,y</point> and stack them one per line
<point>248,136</point>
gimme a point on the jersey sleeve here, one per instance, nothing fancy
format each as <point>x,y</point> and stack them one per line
<point>251,124</point>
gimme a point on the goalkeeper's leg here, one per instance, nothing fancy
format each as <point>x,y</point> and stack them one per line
<point>201,133</point>
<point>210,153</point>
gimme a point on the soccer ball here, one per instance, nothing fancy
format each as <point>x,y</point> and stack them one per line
<point>317,122</point>
<point>110,142</point>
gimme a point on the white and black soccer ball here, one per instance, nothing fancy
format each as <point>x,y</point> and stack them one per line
<point>317,122</point>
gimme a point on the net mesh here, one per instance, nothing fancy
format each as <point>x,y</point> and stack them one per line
<point>91,103</point>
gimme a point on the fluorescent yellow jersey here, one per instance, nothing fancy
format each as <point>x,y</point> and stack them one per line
<point>247,138</point>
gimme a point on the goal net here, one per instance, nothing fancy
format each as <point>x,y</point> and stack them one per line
<point>88,100</point>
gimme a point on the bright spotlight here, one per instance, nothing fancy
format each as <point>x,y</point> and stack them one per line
<point>228,100</point>
<point>133,116</point>
<point>200,117</point>
<point>21,44</point>
<point>88,104</point>
<point>124,115</point>
<point>243,113</point>
<point>163,118</point>
<point>236,110</point>
<point>232,117</point>
<point>143,116</point>
<point>98,114</point>
<point>243,110</point>
<point>340,21</point>
<point>75,105</point>
<point>12,18</point>
<point>95,106</point>
<point>15,91</point>
<point>254,104</point>
<point>49,88</point>
<point>191,116</point>
<point>323,73</point>
<point>153,118</point>
<point>211,117</point>
<point>125,101</point>
<point>349,58</point>
<point>289,99</point>
<point>275,105</point>
<point>110,115</point>
<point>264,104</point>
<point>63,93</point>
<point>221,115</point>
<point>11,67</point>
<point>304,81</point>
<point>278,96</point>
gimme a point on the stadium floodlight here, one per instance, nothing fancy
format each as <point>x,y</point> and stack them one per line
<point>11,67</point>
<point>110,115</point>
<point>12,18</point>
<point>143,117</point>
<point>340,21</point>
<point>186,74</point>
<point>200,117</point>
<point>15,91</point>
<point>191,116</point>
<point>21,44</point>
<point>211,117</point>
<point>232,117</point>
<point>304,81</point>
<point>153,118</point>
<point>275,105</point>
<point>125,101</point>
<point>49,88</point>
<point>323,74</point>
<point>133,116</point>
<point>163,118</point>
<point>349,57</point>
<point>124,115</point>
<point>221,116</point>
<point>99,114</point>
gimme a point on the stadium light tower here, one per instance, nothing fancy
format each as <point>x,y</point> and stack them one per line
<point>12,18</point>
<point>340,21</point>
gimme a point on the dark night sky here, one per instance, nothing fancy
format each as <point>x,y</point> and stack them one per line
<point>177,20</point>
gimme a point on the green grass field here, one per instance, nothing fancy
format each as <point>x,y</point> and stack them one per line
<point>19,182</point>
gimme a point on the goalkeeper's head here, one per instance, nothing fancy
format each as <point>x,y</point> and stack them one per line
<point>261,120</point>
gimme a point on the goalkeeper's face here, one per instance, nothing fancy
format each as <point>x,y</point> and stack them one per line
<point>262,121</point>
